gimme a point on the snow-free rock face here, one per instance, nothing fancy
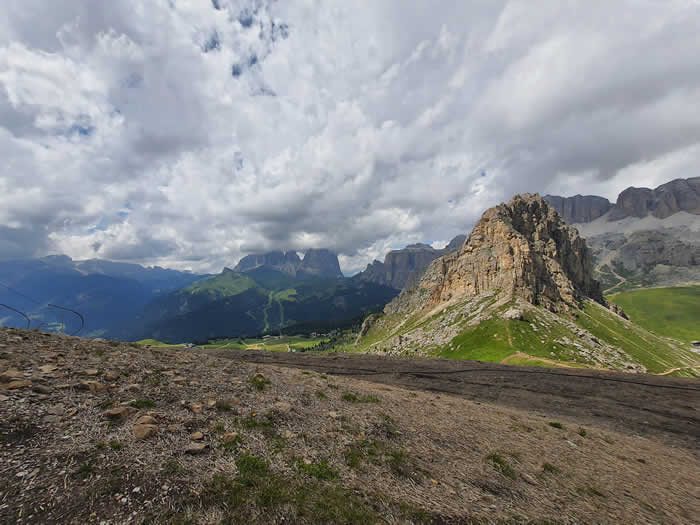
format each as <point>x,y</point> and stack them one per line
<point>280,261</point>
<point>664,201</point>
<point>403,268</point>
<point>522,248</point>
<point>320,263</point>
<point>579,208</point>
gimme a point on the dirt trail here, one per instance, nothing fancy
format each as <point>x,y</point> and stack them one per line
<point>666,407</point>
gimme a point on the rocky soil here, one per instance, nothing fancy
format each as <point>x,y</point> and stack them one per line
<point>103,432</point>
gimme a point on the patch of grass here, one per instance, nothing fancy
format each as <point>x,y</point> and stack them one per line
<point>501,465</point>
<point>590,491</point>
<point>486,342</point>
<point>582,432</point>
<point>223,406</point>
<point>321,394</point>
<point>115,445</point>
<point>670,312</point>
<point>352,397</point>
<point>258,382</point>
<point>548,468</point>
<point>361,451</point>
<point>172,467</point>
<point>317,470</point>
<point>387,427</point>
<point>257,490</point>
<point>142,404</point>
<point>555,424</point>
<point>85,470</point>
<point>219,427</point>
<point>402,465</point>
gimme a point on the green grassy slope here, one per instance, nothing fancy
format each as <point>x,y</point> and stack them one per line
<point>226,284</point>
<point>593,337</point>
<point>670,312</point>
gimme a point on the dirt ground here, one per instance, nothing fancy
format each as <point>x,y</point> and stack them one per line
<point>102,432</point>
<point>667,408</point>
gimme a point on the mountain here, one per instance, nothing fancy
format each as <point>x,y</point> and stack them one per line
<point>521,290</point>
<point>402,268</point>
<point>259,300</point>
<point>282,262</point>
<point>649,237</point>
<point>109,295</point>
<point>579,208</point>
<point>316,264</point>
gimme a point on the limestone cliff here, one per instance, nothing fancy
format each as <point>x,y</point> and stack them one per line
<point>664,201</point>
<point>579,208</point>
<point>403,268</point>
<point>522,248</point>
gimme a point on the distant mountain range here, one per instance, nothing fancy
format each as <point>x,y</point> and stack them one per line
<point>109,295</point>
<point>264,293</point>
<point>648,237</point>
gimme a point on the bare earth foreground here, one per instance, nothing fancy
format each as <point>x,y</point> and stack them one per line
<point>101,432</point>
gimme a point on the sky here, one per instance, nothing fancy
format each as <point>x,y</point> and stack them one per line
<point>188,133</point>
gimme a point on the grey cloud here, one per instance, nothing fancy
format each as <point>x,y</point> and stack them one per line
<point>381,120</point>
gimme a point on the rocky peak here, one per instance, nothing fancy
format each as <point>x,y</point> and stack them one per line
<point>522,248</point>
<point>277,260</point>
<point>664,201</point>
<point>579,208</point>
<point>403,268</point>
<point>320,263</point>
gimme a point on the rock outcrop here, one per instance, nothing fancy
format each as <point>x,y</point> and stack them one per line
<point>522,248</point>
<point>579,208</point>
<point>664,201</point>
<point>280,261</point>
<point>317,263</point>
<point>321,264</point>
<point>404,268</point>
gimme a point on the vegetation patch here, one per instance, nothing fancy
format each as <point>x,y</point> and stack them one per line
<point>353,397</point>
<point>257,488</point>
<point>142,404</point>
<point>670,312</point>
<point>317,470</point>
<point>502,465</point>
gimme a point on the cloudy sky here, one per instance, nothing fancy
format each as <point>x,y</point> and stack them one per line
<point>188,133</point>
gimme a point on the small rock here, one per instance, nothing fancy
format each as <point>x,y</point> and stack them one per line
<point>197,436</point>
<point>144,431</point>
<point>42,389</point>
<point>118,413</point>
<point>48,368</point>
<point>111,376</point>
<point>230,436</point>
<point>333,414</point>
<point>146,420</point>
<point>196,408</point>
<point>287,434</point>
<point>13,385</point>
<point>196,448</point>
<point>180,380</point>
<point>527,478</point>
<point>132,387</point>
<point>56,410</point>
<point>91,372</point>
<point>96,386</point>
<point>9,375</point>
<point>3,398</point>
<point>211,403</point>
<point>283,406</point>
<point>63,386</point>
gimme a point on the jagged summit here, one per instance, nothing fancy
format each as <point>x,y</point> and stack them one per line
<point>317,263</point>
<point>522,248</point>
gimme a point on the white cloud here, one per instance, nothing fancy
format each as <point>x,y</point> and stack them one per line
<point>175,133</point>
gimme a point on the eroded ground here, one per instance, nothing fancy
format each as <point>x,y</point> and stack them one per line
<point>99,432</point>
